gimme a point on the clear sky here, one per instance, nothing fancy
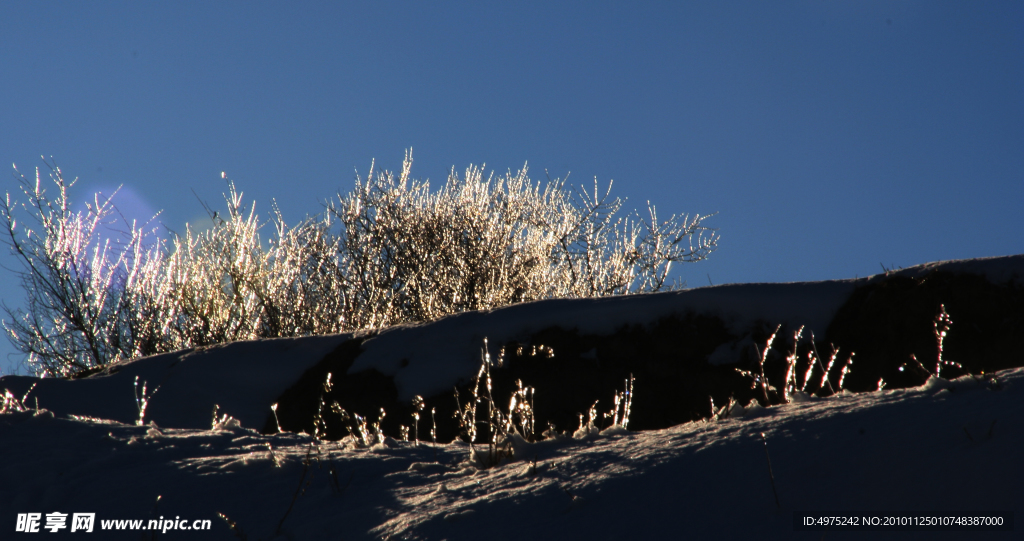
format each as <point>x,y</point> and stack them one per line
<point>831,137</point>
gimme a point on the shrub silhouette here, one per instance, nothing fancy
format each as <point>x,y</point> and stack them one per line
<point>390,251</point>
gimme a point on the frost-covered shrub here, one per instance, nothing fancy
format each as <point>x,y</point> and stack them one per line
<point>506,432</point>
<point>83,303</point>
<point>411,254</point>
<point>391,251</point>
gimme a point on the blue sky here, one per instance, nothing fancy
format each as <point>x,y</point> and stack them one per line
<point>831,137</point>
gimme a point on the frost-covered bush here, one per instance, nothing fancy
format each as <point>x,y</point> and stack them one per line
<point>410,254</point>
<point>82,305</point>
<point>101,289</point>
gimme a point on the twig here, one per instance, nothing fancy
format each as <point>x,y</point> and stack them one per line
<point>770,474</point>
<point>234,527</point>
<point>817,357</point>
<point>299,490</point>
<point>152,516</point>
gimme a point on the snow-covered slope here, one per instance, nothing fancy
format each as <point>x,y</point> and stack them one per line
<point>427,359</point>
<point>245,378</point>
<point>952,449</point>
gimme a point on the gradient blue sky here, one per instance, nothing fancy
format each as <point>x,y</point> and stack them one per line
<point>829,136</point>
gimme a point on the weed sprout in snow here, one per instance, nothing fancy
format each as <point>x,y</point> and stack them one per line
<point>518,424</point>
<point>942,324</point>
<point>12,404</point>
<point>590,428</point>
<point>520,411</point>
<point>223,421</point>
<point>758,378</point>
<point>142,400</point>
<point>623,402</point>
<point>418,406</point>
<point>790,380</point>
<point>277,422</point>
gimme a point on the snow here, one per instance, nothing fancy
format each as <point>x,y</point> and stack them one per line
<point>953,450</point>
<point>998,270</point>
<point>431,358</point>
<point>243,378</point>
<point>945,447</point>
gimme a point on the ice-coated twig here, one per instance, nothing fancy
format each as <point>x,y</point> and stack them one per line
<point>770,474</point>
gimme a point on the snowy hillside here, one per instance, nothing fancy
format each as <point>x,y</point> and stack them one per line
<point>921,451</point>
<point>942,448</point>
